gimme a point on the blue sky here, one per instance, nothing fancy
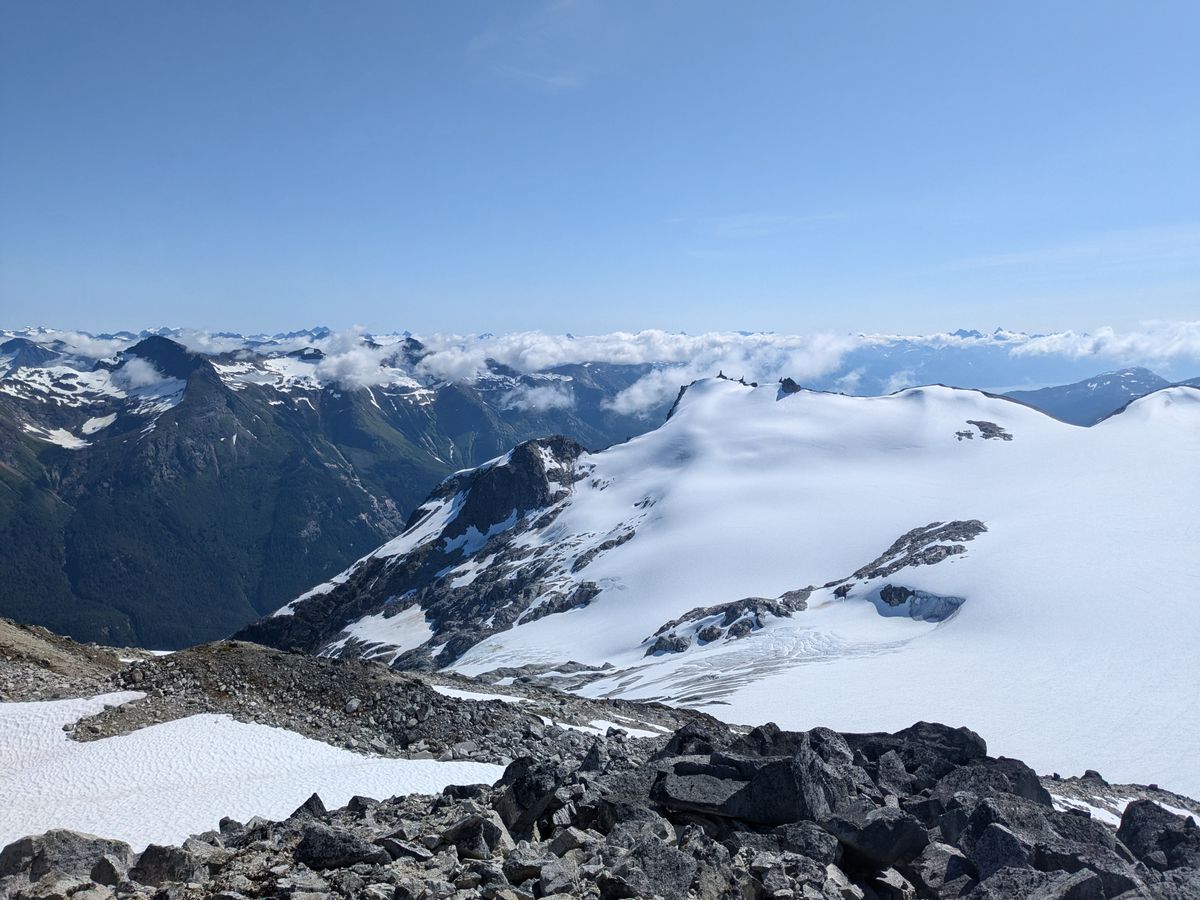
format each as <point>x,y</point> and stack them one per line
<point>583,166</point>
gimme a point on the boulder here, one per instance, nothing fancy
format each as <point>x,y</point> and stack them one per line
<point>525,864</point>
<point>312,808</point>
<point>479,836</point>
<point>998,848</point>
<point>1029,884</point>
<point>1160,839</point>
<point>881,838</point>
<point>812,781</point>
<point>808,840</point>
<point>652,868</point>
<point>323,847</point>
<point>1050,841</point>
<point>568,839</point>
<point>941,870</point>
<point>159,864</point>
<point>527,793</point>
<point>558,877</point>
<point>68,852</point>
<point>926,749</point>
<point>401,849</point>
<point>693,739</point>
<point>991,777</point>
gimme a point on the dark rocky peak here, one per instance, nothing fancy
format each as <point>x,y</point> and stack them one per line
<point>531,476</point>
<point>26,353</point>
<point>171,358</point>
<point>497,368</point>
<point>678,399</point>
<point>406,354</point>
<point>317,334</point>
<point>308,354</point>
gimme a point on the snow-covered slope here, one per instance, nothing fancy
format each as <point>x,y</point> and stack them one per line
<point>810,558</point>
<point>164,782</point>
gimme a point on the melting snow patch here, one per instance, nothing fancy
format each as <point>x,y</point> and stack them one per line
<point>91,426</point>
<point>1063,804</point>
<point>460,694</point>
<point>404,631</point>
<point>165,782</point>
<point>59,436</point>
<point>600,727</point>
<point>472,539</point>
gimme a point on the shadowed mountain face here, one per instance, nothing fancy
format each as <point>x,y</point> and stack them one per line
<point>163,497</point>
<point>1087,402</point>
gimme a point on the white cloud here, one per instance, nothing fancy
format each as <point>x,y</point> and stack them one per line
<point>1153,341</point>
<point>848,383</point>
<point>898,381</point>
<point>350,361</point>
<point>845,362</point>
<point>81,343</point>
<point>540,398</point>
<point>679,358</point>
<point>137,373</point>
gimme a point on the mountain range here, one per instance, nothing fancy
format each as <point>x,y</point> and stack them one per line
<point>166,487</point>
<point>770,551</point>
<point>161,497</point>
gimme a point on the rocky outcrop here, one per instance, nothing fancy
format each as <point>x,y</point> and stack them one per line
<point>65,853</point>
<point>361,705</point>
<point>724,621</point>
<point>990,431</point>
<point>36,664</point>
<point>708,812</point>
<point>1160,839</point>
<point>479,513</point>
<point>925,546</point>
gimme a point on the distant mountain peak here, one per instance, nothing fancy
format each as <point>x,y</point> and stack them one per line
<point>170,357</point>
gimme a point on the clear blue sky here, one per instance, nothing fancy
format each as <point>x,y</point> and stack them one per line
<point>787,166</point>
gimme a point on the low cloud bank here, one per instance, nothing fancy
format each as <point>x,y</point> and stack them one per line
<point>1153,341</point>
<point>863,363</point>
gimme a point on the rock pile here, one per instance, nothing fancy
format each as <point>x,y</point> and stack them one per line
<point>36,664</point>
<point>706,813</point>
<point>359,705</point>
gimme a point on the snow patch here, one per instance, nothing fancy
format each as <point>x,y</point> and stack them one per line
<point>94,424</point>
<point>59,436</point>
<point>166,782</point>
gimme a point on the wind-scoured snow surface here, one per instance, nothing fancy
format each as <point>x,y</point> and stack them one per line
<point>1076,641</point>
<point>165,782</point>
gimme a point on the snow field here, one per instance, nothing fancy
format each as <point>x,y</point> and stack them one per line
<point>166,782</point>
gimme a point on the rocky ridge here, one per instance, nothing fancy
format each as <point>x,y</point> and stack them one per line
<point>477,514</point>
<point>608,799</point>
<point>271,457</point>
<point>36,664</point>
<point>364,706</point>
<point>709,812</point>
<point>473,561</point>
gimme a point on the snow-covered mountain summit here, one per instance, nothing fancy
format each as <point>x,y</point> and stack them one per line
<point>812,558</point>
